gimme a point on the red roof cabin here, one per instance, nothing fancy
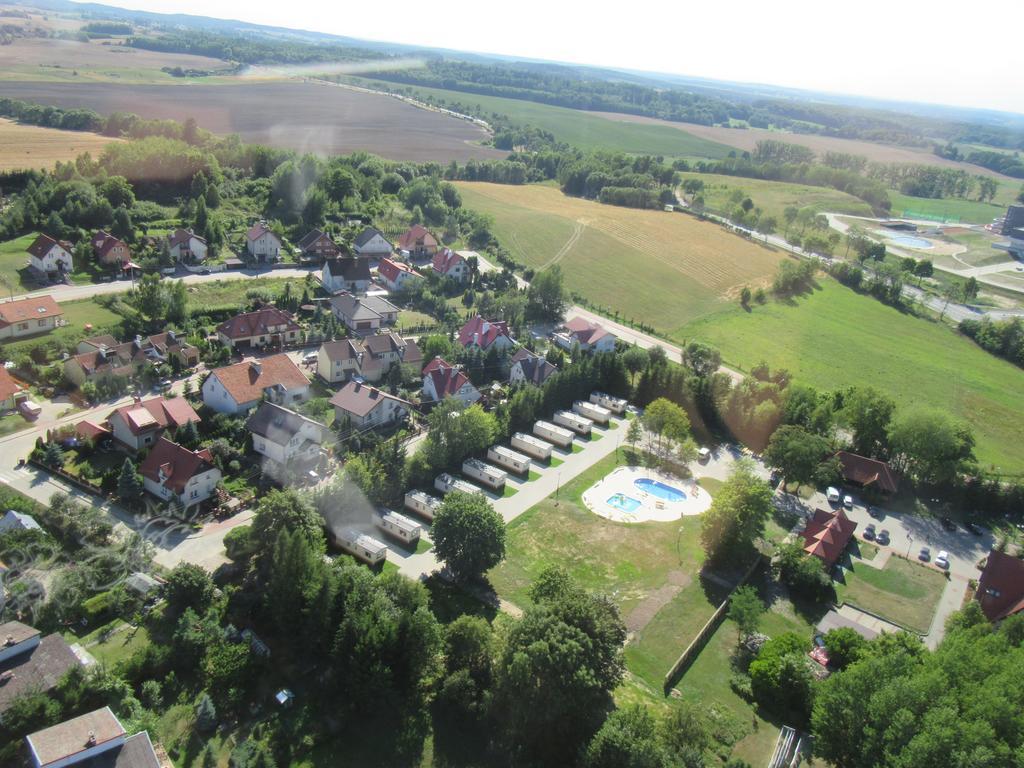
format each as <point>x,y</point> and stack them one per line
<point>827,534</point>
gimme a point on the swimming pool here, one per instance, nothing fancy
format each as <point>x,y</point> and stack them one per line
<point>662,491</point>
<point>622,502</point>
<point>909,241</point>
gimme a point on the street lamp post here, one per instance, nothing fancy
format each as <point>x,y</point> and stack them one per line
<point>558,485</point>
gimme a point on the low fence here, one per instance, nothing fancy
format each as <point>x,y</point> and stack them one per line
<point>687,657</point>
<point>76,481</point>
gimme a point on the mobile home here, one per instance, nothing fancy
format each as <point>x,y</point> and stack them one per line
<point>446,483</point>
<point>553,434</point>
<point>361,546</point>
<point>613,404</point>
<point>509,459</point>
<point>484,473</point>
<point>400,527</point>
<point>578,424</point>
<point>532,446</point>
<point>422,504</point>
<point>596,413</point>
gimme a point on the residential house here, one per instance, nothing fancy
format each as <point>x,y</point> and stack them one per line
<point>372,243</point>
<point>318,246</point>
<point>284,438</point>
<point>338,361</point>
<point>109,250</point>
<point>348,274</point>
<point>25,317</point>
<point>397,275</point>
<point>442,379</point>
<point>590,336</point>
<point>50,257</point>
<point>240,387</point>
<point>827,534</point>
<point>450,264</point>
<point>185,245</point>
<point>364,314</point>
<point>484,335</point>
<point>18,521</point>
<point>93,740</point>
<point>31,663</point>
<point>1001,586</point>
<point>10,391</point>
<point>103,356</point>
<point>418,242</point>
<point>528,368</point>
<point>370,358</point>
<point>173,472</point>
<point>868,473</point>
<point>141,423</point>
<point>365,406</point>
<point>267,326</point>
<point>262,244</point>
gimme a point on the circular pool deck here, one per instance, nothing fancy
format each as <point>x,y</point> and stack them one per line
<point>645,506</point>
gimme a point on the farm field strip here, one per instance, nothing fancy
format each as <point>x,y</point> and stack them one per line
<point>32,146</point>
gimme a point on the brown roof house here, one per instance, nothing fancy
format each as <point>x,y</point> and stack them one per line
<point>417,242</point>
<point>93,740</point>
<point>240,387</point>
<point>481,334</point>
<point>1001,586</point>
<point>590,336</point>
<point>369,358</point>
<point>364,314</point>
<point>528,368</point>
<point>144,421</point>
<point>827,534</point>
<point>10,391</point>
<point>173,472</point>
<point>317,245</point>
<point>185,245</point>
<point>101,356</point>
<point>25,317</point>
<point>348,274</point>
<point>266,326</point>
<point>109,250</point>
<point>868,473</point>
<point>366,407</point>
<point>262,244</point>
<point>442,379</point>
<point>50,257</point>
<point>31,663</point>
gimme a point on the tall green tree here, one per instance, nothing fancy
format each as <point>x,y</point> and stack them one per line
<point>129,484</point>
<point>867,412</point>
<point>737,515</point>
<point>930,445</point>
<point>746,610</point>
<point>795,453</point>
<point>546,296</point>
<point>468,535</point>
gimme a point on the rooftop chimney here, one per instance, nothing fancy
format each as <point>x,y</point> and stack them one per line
<point>91,740</point>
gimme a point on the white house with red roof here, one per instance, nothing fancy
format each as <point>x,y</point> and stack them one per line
<point>590,336</point>
<point>397,275</point>
<point>50,256</point>
<point>451,265</point>
<point>418,242</point>
<point>171,471</point>
<point>185,245</point>
<point>482,334</point>
<point>239,388</point>
<point>25,317</point>
<point>141,423</point>
<point>441,379</point>
<point>262,244</point>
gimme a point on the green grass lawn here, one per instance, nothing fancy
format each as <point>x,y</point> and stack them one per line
<point>216,294</point>
<point>773,197</point>
<point>967,211</point>
<point>555,462</point>
<point>576,447</point>
<point>710,484</point>
<point>532,475</point>
<point>121,643</point>
<point>13,423</point>
<point>834,338</point>
<point>509,491</point>
<point>903,592</point>
<point>13,257</point>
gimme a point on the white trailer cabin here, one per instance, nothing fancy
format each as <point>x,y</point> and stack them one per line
<point>596,413</point>
<point>532,446</point>
<point>578,424</point>
<point>422,504</point>
<point>403,528</point>
<point>553,434</point>
<point>483,472</point>
<point>446,483</point>
<point>509,459</point>
<point>613,404</point>
<point>361,546</point>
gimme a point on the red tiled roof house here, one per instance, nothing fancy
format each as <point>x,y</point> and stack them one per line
<point>171,471</point>
<point>109,250</point>
<point>268,326</point>
<point>1001,586</point>
<point>441,379</point>
<point>450,264</point>
<point>397,275</point>
<point>239,388</point>
<point>143,422</point>
<point>262,244</point>
<point>10,391</point>
<point>418,242</point>
<point>590,336</point>
<point>827,534</point>
<point>868,473</point>
<point>25,317</point>
<point>482,334</point>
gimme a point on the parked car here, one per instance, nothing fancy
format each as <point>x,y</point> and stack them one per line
<point>875,512</point>
<point>29,409</point>
<point>165,385</point>
<point>942,560</point>
<point>310,358</point>
<point>975,529</point>
<point>848,501</point>
<point>869,532</point>
<point>704,455</point>
<point>924,555</point>
<point>948,524</point>
<point>882,537</point>
<point>832,494</point>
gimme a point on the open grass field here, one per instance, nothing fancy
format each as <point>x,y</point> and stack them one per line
<point>13,258</point>
<point>979,253</point>
<point>662,268</point>
<point>773,197</point>
<point>834,338</point>
<point>581,129</point>
<point>294,115</point>
<point>903,592</point>
<point>31,146</point>
<point>966,211</point>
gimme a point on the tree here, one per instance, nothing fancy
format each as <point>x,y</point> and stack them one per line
<point>746,610</point>
<point>635,360</point>
<point>206,714</point>
<point>667,421</point>
<point>745,296</point>
<point>53,455</point>
<point>150,298</point>
<point>188,586</point>
<point>845,646</point>
<point>546,296</point>
<point>795,453</point>
<point>284,510</point>
<point>469,536</point>
<point>702,359</point>
<point>122,225</point>
<point>296,573</point>
<point>455,432</point>
<point>780,676</point>
<point>177,302</point>
<point>803,573</point>
<point>634,434</point>
<point>129,484</point>
<point>931,445</point>
<point>923,269</point>
<point>737,515</point>
<point>970,289</point>
<point>867,412</point>
<point>627,739</point>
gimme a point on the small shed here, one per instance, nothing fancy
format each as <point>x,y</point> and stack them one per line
<point>284,697</point>
<point>142,584</point>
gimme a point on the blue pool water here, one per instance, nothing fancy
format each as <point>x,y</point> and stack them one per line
<point>623,502</point>
<point>910,241</point>
<point>662,491</point>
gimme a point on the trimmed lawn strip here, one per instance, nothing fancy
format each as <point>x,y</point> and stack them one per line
<point>555,462</point>
<point>509,491</point>
<point>710,484</point>
<point>903,592</point>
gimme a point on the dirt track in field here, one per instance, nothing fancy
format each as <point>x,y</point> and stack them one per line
<point>289,114</point>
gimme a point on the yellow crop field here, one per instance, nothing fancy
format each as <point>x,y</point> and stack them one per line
<point>30,146</point>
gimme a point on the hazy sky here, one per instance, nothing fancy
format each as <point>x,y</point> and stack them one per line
<point>918,50</point>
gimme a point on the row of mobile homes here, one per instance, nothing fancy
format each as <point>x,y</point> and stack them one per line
<point>532,446</point>
<point>361,546</point>
<point>422,504</point>
<point>484,473</point>
<point>509,459</point>
<point>613,404</point>
<point>578,424</point>
<point>596,413</point>
<point>553,434</point>
<point>405,529</point>
<point>446,483</point>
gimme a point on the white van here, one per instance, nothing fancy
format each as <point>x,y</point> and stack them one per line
<point>310,358</point>
<point>832,494</point>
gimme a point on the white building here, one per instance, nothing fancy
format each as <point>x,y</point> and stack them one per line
<point>171,471</point>
<point>94,739</point>
<point>262,244</point>
<point>284,436</point>
<point>371,242</point>
<point>185,245</point>
<point>365,406</point>
<point>441,380</point>
<point>240,387</point>
<point>50,256</point>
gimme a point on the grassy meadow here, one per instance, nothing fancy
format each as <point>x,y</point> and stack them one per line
<point>32,146</point>
<point>773,197</point>
<point>966,211</point>
<point>665,269</point>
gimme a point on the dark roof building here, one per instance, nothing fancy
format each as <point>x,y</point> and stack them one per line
<point>30,662</point>
<point>827,534</point>
<point>868,473</point>
<point>527,367</point>
<point>1001,586</point>
<point>319,245</point>
<point>93,740</point>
